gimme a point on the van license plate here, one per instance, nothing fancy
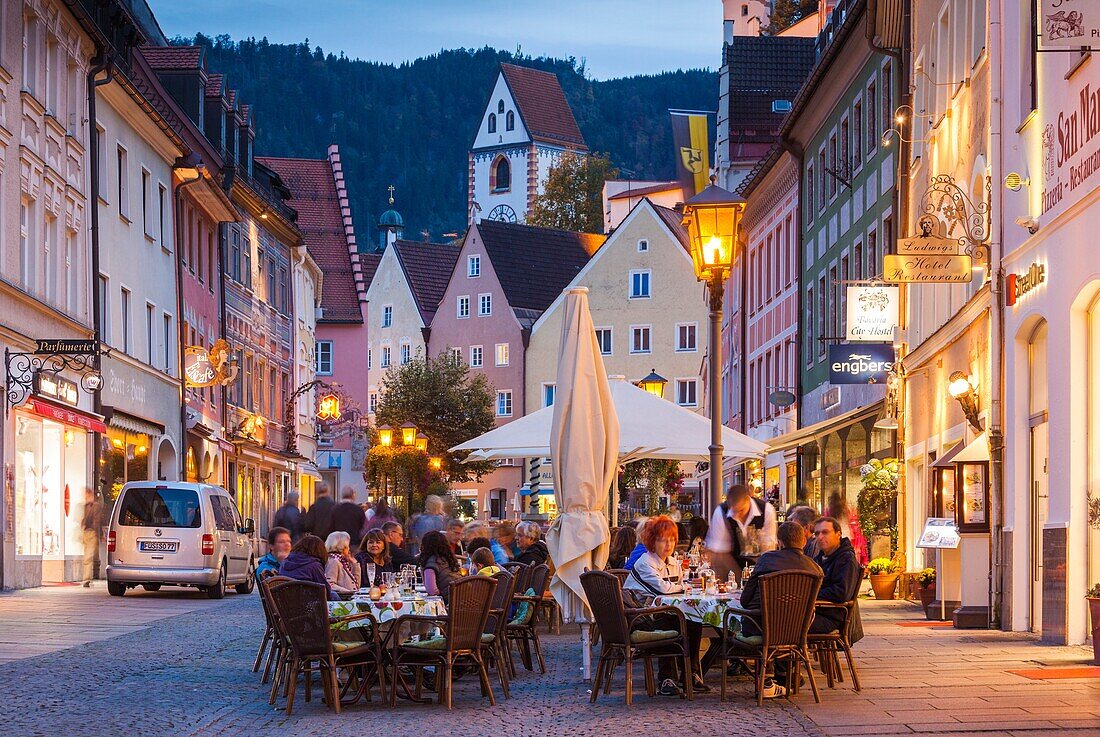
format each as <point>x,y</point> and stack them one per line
<point>159,546</point>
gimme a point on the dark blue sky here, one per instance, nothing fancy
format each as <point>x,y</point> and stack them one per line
<point>616,37</point>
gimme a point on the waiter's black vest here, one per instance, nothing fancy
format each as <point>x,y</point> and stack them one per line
<point>757,521</point>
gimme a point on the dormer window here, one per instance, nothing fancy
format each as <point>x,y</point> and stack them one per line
<point>500,107</point>
<point>510,121</point>
<point>492,123</point>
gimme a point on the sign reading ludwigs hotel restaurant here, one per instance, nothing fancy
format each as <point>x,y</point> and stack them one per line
<point>860,363</point>
<point>872,313</point>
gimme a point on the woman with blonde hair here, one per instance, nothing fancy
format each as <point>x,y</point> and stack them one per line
<point>342,570</point>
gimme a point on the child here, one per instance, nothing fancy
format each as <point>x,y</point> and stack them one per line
<point>484,563</point>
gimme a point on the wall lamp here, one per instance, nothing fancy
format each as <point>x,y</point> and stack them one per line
<point>962,388</point>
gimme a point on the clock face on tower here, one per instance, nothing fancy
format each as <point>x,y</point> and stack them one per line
<point>503,213</point>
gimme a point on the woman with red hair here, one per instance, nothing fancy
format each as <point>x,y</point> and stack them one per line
<point>657,573</point>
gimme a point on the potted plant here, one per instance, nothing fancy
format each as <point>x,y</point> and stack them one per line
<point>926,588</point>
<point>883,573</point>
<point>877,496</point>
<point>1093,595</point>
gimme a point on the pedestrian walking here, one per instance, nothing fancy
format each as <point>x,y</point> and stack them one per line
<point>90,524</point>
<point>432,520</point>
<point>318,520</point>
<point>349,517</point>
<point>290,516</point>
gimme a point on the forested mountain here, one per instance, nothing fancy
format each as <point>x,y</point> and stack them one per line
<point>411,125</point>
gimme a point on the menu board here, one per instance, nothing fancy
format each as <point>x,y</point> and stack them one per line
<point>973,494</point>
<point>939,532</point>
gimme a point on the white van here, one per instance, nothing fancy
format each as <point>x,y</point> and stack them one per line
<point>181,534</point>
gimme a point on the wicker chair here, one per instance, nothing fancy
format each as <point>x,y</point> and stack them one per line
<point>494,644</point>
<point>463,639</point>
<point>827,646</point>
<point>623,641</point>
<point>267,643</point>
<point>522,573</point>
<point>279,654</point>
<point>521,628</point>
<point>302,615</point>
<point>786,611</point>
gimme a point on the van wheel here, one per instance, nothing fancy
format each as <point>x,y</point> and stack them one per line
<point>247,586</point>
<point>116,589</point>
<point>217,591</point>
<point>151,586</point>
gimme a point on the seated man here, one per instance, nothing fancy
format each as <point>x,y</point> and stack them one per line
<point>789,557</point>
<point>395,537</point>
<point>843,574</point>
<point>806,517</point>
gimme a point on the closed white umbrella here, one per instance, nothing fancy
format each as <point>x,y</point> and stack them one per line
<point>584,443</point>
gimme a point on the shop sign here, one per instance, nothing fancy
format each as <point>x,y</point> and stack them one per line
<point>872,313</point>
<point>949,269</point>
<point>198,368</point>
<point>1071,158</point>
<point>1017,285</point>
<point>57,387</point>
<point>328,408</point>
<point>939,532</point>
<point>782,398</point>
<point>84,421</point>
<point>59,345</point>
<point>860,363</point>
<point>928,245</point>
<point>1070,23</point>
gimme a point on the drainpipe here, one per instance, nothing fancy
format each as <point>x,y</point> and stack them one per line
<point>798,154</point>
<point>996,306</point>
<point>99,63</point>
<point>190,162</point>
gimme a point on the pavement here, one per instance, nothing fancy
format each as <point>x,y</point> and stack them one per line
<point>79,662</point>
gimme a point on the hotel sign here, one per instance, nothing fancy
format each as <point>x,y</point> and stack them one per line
<point>872,313</point>
<point>933,269</point>
<point>1070,23</point>
<point>928,245</point>
<point>1017,285</point>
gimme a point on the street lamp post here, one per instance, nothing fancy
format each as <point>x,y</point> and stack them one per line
<point>712,219</point>
<point>654,384</point>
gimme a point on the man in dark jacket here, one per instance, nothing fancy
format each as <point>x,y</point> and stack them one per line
<point>789,557</point>
<point>843,574</point>
<point>290,517</point>
<point>395,539</point>
<point>318,520</point>
<point>349,517</point>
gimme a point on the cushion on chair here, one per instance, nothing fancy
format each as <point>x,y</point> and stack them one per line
<point>440,643</point>
<point>345,648</point>
<point>642,636</point>
<point>523,611</point>
<point>755,640</point>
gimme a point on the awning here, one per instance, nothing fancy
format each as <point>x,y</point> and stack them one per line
<point>948,458</point>
<point>976,451</point>
<point>129,423</point>
<point>308,469</point>
<point>67,415</point>
<point>818,429</point>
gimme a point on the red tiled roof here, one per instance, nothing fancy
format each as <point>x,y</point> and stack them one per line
<point>173,57</point>
<point>674,221</point>
<point>534,264</point>
<point>214,84</point>
<point>542,105</point>
<point>640,191</point>
<point>314,196</point>
<point>370,262</point>
<point>428,268</point>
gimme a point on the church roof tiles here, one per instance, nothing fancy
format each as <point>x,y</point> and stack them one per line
<point>543,107</point>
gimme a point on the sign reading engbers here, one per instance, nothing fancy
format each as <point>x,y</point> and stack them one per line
<point>198,368</point>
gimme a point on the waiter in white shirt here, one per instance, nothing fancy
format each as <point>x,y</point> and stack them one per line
<point>741,528</point>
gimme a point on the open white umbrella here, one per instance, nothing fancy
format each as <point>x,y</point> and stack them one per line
<point>584,442</point>
<point>652,427</point>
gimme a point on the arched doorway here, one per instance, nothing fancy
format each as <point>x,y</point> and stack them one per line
<point>1039,490</point>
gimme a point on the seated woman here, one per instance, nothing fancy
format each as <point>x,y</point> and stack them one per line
<point>440,565</point>
<point>484,563</point>
<point>532,550</point>
<point>622,542</point>
<point>656,573</point>
<point>374,559</point>
<point>342,570</point>
<point>306,562</point>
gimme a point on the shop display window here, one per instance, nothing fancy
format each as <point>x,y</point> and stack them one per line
<point>50,478</point>
<point>124,458</point>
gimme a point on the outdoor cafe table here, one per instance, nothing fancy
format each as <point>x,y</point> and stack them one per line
<point>706,609</point>
<point>385,611</point>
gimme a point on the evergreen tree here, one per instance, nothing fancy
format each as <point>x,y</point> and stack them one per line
<point>572,198</point>
<point>785,13</point>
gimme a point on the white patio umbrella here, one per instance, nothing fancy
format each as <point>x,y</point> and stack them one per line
<point>651,427</point>
<point>584,442</point>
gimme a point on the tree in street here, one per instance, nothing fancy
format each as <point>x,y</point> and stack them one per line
<point>573,196</point>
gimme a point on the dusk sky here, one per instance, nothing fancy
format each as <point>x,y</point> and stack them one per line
<point>616,37</point>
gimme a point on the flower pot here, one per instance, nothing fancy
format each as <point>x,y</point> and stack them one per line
<point>1094,612</point>
<point>927,596</point>
<point>884,585</point>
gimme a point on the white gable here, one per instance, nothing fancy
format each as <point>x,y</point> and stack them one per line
<point>502,136</point>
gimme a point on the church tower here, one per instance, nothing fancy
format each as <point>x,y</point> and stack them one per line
<point>391,226</point>
<point>526,126</point>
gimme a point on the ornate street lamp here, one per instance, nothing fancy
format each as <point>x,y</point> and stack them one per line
<point>961,388</point>
<point>654,384</point>
<point>408,434</point>
<point>385,435</point>
<point>422,442</point>
<point>713,219</point>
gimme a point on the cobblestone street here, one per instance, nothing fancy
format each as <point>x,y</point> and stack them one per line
<point>189,674</point>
